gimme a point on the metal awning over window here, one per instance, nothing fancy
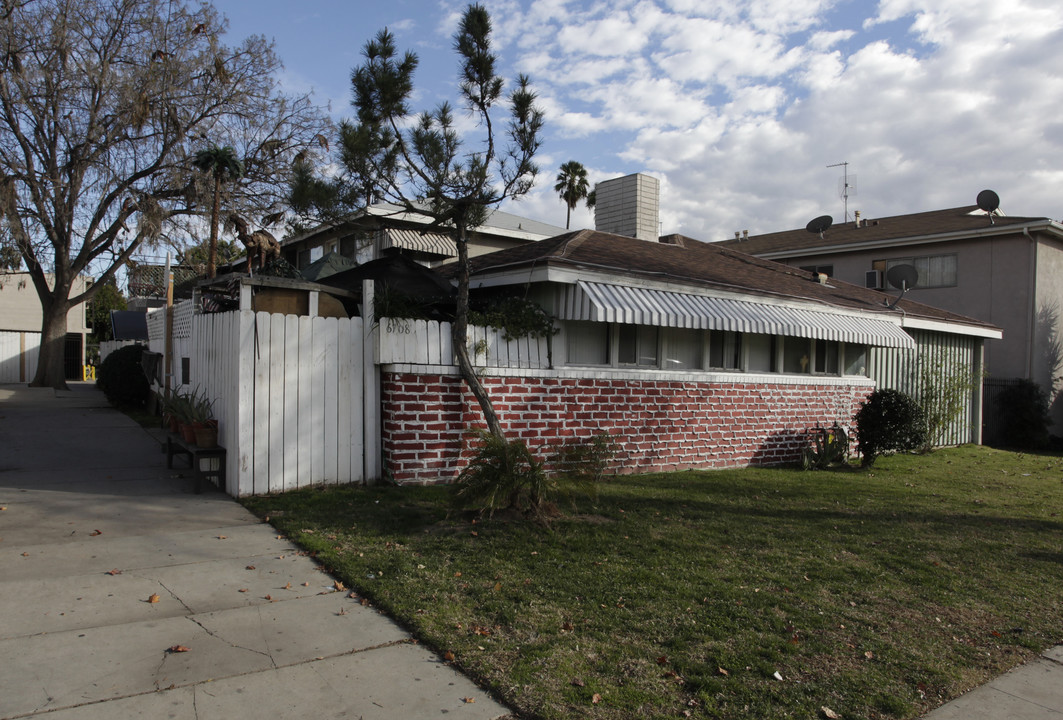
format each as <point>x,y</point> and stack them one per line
<point>600,302</point>
<point>430,242</point>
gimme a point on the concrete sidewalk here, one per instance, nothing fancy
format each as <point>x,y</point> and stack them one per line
<point>110,566</point>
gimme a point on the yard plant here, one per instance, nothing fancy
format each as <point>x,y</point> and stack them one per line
<point>765,593</point>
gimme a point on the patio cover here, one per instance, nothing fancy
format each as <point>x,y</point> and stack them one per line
<point>602,302</point>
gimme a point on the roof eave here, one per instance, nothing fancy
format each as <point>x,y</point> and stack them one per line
<point>1018,228</point>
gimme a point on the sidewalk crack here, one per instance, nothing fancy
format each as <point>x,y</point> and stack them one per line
<point>231,644</point>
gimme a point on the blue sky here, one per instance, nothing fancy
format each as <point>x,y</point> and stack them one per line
<point>739,106</point>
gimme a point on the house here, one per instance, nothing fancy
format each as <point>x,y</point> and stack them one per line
<point>379,229</point>
<point>20,329</point>
<point>690,354</point>
<point>999,269</point>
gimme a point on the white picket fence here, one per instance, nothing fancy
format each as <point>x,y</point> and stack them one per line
<point>289,396</point>
<point>427,342</point>
<point>18,356</point>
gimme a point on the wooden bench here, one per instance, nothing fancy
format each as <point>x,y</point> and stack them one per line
<point>175,445</point>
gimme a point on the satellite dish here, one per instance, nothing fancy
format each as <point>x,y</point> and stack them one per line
<point>819,225</point>
<point>902,277</point>
<point>988,200</point>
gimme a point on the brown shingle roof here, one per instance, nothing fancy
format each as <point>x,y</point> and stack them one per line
<point>879,230</point>
<point>688,261</point>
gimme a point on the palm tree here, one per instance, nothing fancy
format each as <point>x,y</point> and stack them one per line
<point>572,186</point>
<point>222,164</point>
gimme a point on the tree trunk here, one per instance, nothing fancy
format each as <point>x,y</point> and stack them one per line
<point>51,366</point>
<point>460,337</point>
<point>212,250</point>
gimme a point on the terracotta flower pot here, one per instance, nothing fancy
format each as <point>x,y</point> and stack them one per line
<point>206,436</point>
<point>188,432</point>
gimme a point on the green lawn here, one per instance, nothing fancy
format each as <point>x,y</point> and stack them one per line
<point>876,594</point>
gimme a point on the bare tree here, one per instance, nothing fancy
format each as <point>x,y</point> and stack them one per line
<point>420,163</point>
<point>103,103</point>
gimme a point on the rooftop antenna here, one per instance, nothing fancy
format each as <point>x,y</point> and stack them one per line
<point>988,201</point>
<point>846,187</point>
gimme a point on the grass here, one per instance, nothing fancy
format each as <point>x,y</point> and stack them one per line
<point>876,594</point>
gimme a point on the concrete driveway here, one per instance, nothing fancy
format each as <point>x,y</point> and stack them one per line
<point>123,594</point>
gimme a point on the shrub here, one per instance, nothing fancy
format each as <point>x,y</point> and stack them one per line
<point>1024,410</point>
<point>889,421</point>
<point>579,463</point>
<point>827,446</point>
<point>121,378</point>
<point>503,474</point>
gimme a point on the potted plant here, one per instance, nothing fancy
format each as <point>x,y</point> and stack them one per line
<point>205,427</point>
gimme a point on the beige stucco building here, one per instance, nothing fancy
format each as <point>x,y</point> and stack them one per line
<point>1003,270</point>
<point>20,329</point>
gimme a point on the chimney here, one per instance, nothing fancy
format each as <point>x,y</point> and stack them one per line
<point>628,206</point>
<point>856,217</point>
<point>745,235</point>
<point>738,235</point>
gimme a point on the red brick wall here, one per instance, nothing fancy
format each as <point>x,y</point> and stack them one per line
<point>659,424</point>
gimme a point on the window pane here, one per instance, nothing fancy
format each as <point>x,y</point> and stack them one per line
<point>761,353</point>
<point>796,355</point>
<point>587,343</point>
<point>827,357</point>
<point>725,349</point>
<point>682,349</point>
<point>856,360</point>
<point>647,345</point>
<point>629,349</point>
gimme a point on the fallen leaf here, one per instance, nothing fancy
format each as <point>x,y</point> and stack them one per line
<point>306,584</point>
<point>223,537</point>
<point>457,574</point>
<point>448,656</point>
<point>3,508</point>
<point>498,587</point>
<point>662,660</point>
<point>475,534</point>
<point>828,713</point>
<point>468,700</point>
<point>178,648</point>
<point>94,533</point>
<point>343,611</point>
<point>250,567</point>
<point>596,697</point>
<point>568,627</point>
<point>242,590</point>
<point>268,597</point>
<point>869,655</point>
<point>777,675</point>
<point>25,554</point>
<point>154,598</point>
<point>116,571</point>
<point>722,671</point>
<point>339,586</point>
<point>577,682</point>
<point>288,586</point>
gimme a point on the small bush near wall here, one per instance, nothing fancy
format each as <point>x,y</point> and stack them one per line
<point>122,379</point>
<point>889,421</point>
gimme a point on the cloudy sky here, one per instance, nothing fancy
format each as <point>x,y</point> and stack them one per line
<point>739,106</point>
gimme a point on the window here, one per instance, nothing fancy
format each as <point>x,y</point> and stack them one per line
<point>856,360</point>
<point>638,345</point>
<point>316,253</point>
<point>826,357</point>
<point>827,270</point>
<point>725,349</point>
<point>587,343</point>
<point>935,271</point>
<point>797,354</point>
<point>760,353</point>
<point>682,349</point>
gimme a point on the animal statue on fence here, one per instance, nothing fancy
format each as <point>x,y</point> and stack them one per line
<point>260,244</point>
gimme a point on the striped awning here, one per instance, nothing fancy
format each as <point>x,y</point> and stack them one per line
<point>430,242</point>
<point>601,302</point>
